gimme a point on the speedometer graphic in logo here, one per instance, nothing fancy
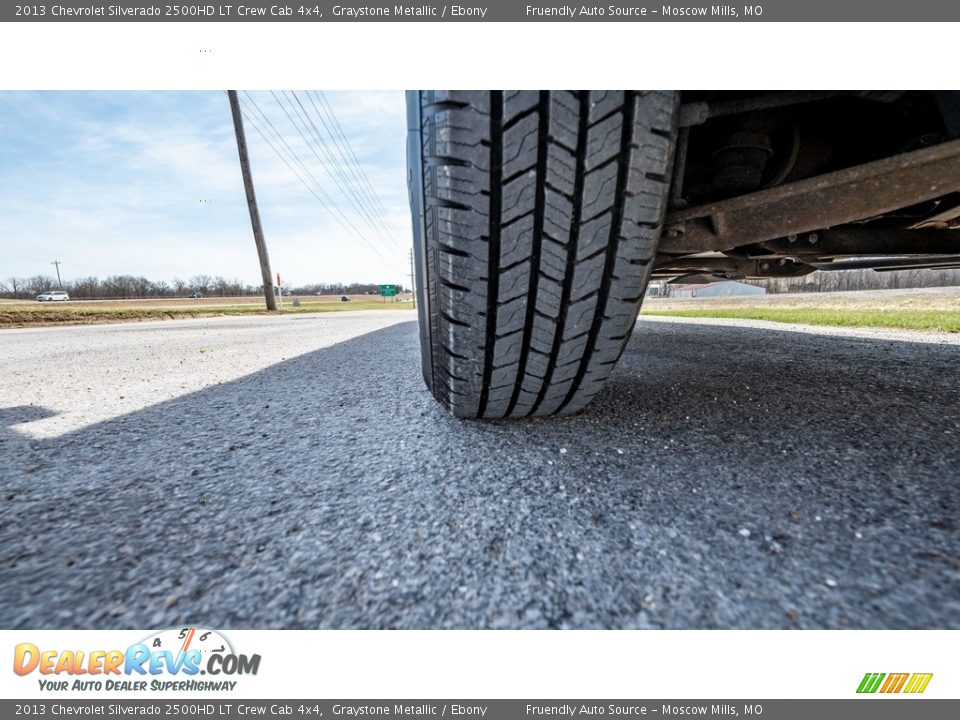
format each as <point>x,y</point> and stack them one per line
<point>183,639</point>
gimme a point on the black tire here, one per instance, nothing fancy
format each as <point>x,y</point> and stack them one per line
<point>536,218</point>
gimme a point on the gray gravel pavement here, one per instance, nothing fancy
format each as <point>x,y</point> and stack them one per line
<point>293,472</point>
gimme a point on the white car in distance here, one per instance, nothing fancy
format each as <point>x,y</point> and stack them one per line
<point>52,296</point>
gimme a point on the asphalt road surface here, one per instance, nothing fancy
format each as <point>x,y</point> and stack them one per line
<point>294,472</point>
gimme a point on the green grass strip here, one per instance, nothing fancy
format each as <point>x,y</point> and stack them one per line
<point>932,320</point>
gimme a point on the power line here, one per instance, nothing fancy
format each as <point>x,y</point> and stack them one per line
<point>337,174</point>
<point>363,175</point>
<point>326,201</point>
<point>316,188</point>
<point>323,197</point>
<point>350,183</point>
<point>332,208</point>
<point>308,143</point>
<point>342,146</point>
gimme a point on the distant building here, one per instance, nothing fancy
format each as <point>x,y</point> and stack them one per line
<point>722,288</point>
<point>657,288</point>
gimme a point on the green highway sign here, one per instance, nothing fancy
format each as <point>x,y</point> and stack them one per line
<point>388,290</point>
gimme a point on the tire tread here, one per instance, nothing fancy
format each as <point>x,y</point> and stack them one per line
<point>542,215</point>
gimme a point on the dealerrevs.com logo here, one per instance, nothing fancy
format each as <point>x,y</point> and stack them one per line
<point>168,660</point>
<point>910,683</point>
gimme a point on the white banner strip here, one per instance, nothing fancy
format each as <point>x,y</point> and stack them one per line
<point>490,664</point>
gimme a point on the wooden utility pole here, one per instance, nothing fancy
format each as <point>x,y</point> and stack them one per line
<point>252,201</point>
<point>59,281</point>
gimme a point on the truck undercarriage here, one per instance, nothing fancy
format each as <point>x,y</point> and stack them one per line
<point>780,184</point>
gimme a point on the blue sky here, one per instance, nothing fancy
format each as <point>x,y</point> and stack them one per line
<point>112,182</point>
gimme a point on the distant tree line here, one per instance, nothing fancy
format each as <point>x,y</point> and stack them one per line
<point>840,280</point>
<point>136,286</point>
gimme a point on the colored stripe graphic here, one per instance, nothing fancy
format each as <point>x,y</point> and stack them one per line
<point>870,682</point>
<point>894,682</point>
<point>918,682</point>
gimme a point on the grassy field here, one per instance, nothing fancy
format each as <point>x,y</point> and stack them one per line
<point>26,313</point>
<point>929,309</point>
